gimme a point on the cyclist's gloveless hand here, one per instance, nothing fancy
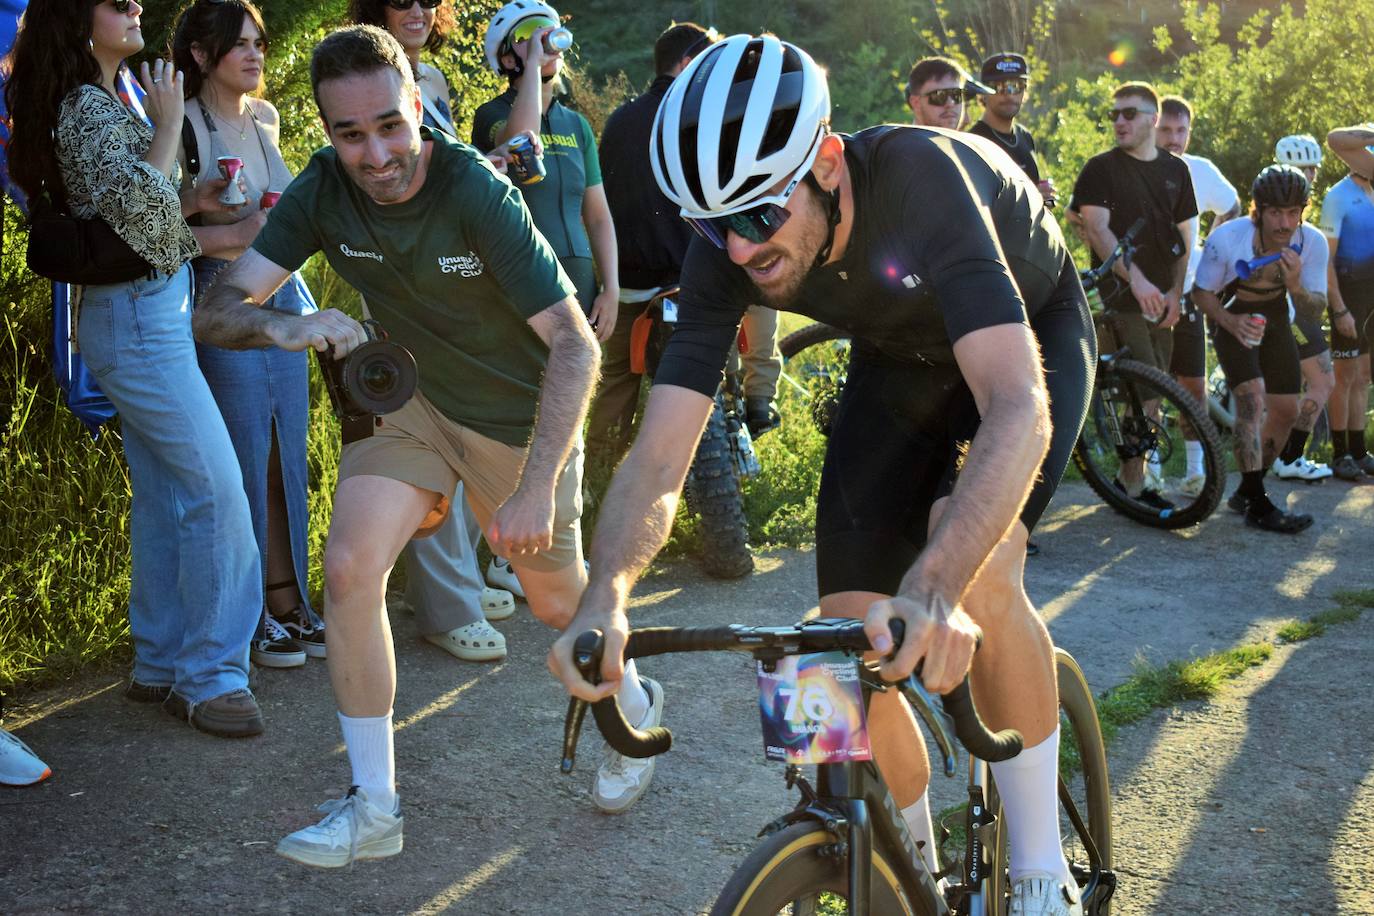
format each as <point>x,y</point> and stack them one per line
<point>321,330</point>
<point>523,525</point>
<point>943,636</point>
<point>1173,308</point>
<point>1345,324</point>
<point>616,627</point>
<point>1148,295</point>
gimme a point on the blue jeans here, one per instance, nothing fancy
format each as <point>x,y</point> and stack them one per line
<point>195,592</point>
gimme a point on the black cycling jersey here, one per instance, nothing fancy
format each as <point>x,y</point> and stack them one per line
<point>1020,145</point>
<point>948,239</point>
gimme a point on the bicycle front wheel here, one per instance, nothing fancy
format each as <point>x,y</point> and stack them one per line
<point>1139,413</point>
<point>798,871</point>
<point>1085,803</point>
<point>815,359</point>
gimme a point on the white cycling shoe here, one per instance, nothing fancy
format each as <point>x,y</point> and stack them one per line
<point>1043,894</point>
<point>1301,469</point>
<point>501,576</point>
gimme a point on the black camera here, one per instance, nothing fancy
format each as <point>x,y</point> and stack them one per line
<point>376,378</point>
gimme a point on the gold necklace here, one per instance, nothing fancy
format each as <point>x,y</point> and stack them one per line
<point>244,121</point>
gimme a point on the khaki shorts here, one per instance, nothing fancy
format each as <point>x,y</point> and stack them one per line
<point>1148,342</point>
<point>420,446</point>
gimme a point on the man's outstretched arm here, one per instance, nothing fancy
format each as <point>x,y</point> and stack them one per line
<point>634,523</point>
<point>229,315</point>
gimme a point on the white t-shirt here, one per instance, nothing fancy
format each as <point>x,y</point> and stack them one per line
<point>1235,241</point>
<point>1215,195</point>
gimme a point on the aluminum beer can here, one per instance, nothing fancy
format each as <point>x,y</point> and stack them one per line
<point>1256,316</point>
<point>560,39</point>
<point>523,166</point>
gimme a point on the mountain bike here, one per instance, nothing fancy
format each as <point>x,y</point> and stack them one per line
<point>1137,412</point>
<point>725,455</point>
<point>845,846</point>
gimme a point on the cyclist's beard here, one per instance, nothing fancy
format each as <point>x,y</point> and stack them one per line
<point>782,287</point>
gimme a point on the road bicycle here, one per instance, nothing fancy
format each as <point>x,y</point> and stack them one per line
<point>1137,412</point>
<point>725,456</point>
<point>845,847</point>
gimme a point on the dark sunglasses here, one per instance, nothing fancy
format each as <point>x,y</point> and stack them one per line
<point>120,6</point>
<point>1128,113</point>
<point>942,97</point>
<point>1009,87</point>
<point>402,5</point>
<point>757,224</point>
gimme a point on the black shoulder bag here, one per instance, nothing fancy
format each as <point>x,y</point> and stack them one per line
<point>84,252</point>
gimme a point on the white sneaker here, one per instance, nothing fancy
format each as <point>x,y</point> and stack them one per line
<point>1043,894</point>
<point>620,780</point>
<point>500,575</point>
<point>1191,487</point>
<point>19,765</point>
<point>478,641</point>
<point>1301,469</point>
<point>1154,478</point>
<point>497,603</point>
<point>354,828</point>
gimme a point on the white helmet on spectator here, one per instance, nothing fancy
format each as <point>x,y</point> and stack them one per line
<point>506,19</point>
<point>1298,150</point>
<point>746,114</point>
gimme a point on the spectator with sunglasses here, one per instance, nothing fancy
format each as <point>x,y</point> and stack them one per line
<point>972,361</point>
<point>938,90</point>
<point>195,590</point>
<point>1138,180</point>
<point>1003,81</point>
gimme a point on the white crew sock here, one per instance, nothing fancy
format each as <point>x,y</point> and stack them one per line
<point>917,817</point>
<point>634,699</point>
<point>1155,468</point>
<point>1028,786</point>
<point>372,754</point>
<point>1195,467</point>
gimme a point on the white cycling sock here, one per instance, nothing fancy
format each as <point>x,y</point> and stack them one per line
<point>372,754</point>
<point>634,699</point>
<point>1195,466</point>
<point>1028,786</point>
<point>917,817</point>
<point>1155,468</point>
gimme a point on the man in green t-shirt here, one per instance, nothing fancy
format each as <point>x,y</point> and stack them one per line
<point>444,251</point>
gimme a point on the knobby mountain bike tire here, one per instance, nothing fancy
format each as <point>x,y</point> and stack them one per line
<point>714,494</point>
<point>1116,397</point>
<point>795,871</point>
<point>820,373</point>
<point>1091,789</point>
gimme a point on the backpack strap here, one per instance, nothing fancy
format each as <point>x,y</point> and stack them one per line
<point>190,146</point>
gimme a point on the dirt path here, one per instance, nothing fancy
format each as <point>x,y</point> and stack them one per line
<point>144,815</point>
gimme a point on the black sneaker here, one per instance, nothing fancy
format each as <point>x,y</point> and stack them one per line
<point>309,635</point>
<point>1238,502</point>
<point>761,415</point>
<point>1154,500</point>
<point>1275,519</point>
<point>275,648</point>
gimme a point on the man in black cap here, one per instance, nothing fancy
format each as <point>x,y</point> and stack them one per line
<point>1007,76</point>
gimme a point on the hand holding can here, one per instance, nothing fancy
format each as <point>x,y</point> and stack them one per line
<point>1255,331</point>
<point>229,168</point>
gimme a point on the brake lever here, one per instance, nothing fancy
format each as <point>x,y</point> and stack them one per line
<point>586,654</point>
<point>940,723</point>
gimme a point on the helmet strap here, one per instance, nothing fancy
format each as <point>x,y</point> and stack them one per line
<point>831,202</point>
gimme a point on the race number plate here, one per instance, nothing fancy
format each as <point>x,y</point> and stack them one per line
<point>812,710</point>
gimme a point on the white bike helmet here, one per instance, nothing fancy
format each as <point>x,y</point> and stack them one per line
<point>746,114</point>
<point>1298,150</point>
<point>507,18</point>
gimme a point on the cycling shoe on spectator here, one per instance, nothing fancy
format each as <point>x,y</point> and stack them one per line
<point>1346,469</point>
<point>1301,469</point>
<point>1275,519</point>
<point>19,765</point>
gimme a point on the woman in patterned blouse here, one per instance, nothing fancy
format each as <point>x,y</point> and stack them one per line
<point>196,585</point>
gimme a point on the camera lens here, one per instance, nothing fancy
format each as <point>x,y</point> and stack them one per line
<point>379,377</point>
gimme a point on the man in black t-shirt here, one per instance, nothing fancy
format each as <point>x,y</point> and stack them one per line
<point>968,382</point>
<point>1005,80</point>
<point>1138,180</point>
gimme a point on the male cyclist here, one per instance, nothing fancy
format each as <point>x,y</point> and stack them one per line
<point>1348,221</point>
<point>940,259</point>
<point>1217,196</point>
<point>1304,153</point>
<point>1254,340</point>
<point>1006,79</point>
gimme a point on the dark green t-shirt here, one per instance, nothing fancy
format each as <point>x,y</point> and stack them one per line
<point>570,160</point>
<point>452,274</point>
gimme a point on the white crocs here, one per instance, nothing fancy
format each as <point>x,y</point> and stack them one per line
<point>478,641</point>
<point>497,603</point>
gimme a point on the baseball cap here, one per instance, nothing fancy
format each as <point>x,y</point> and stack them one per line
<point>1005,65</point>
